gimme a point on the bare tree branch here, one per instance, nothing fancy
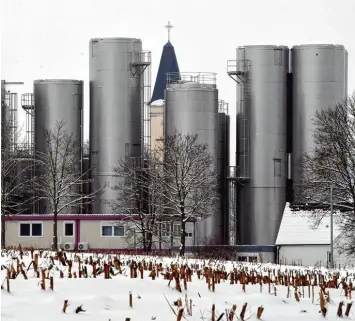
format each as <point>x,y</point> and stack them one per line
<point>332,163</point>
<point>189,181</point>
<point>60,179</point>
<point>175,184</point>
<point>140,200</point>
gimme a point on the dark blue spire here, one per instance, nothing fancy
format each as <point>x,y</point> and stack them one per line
<point>168,63</point>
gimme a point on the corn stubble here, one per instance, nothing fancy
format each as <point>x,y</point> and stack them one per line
<point>179,275</point>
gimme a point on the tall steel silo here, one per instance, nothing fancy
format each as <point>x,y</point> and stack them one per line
<point>191,106</point>
<point>58,100</point>
<point>261,74</point>
<point>116,110</point>
<point>319,81</point>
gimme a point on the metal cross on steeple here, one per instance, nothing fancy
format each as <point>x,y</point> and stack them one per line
<point>169,26</point>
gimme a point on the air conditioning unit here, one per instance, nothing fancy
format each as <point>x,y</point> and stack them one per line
<point>59,246</point>
<point>83,246</point>
<point>69,246</point>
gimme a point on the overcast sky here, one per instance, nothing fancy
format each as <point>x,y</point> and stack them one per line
<point>50,38</point>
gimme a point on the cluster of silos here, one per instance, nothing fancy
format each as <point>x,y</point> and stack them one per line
<point>116,104</point>
<point>59,112</point>
<point>191,106</point>
<point>275,107</point>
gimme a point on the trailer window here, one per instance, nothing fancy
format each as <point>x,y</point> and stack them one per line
<point>108,230</point>
<point>68,229</point>
<point>25,229</point>
<point>31,229</point>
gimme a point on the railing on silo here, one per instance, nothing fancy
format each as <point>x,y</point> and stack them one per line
<point>206,78</point>
<point>140,61</point>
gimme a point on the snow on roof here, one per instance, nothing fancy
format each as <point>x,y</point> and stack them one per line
<point>298,228</point>
<point>158,103</point>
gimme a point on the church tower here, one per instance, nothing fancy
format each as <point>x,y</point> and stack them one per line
<point>168,63</point>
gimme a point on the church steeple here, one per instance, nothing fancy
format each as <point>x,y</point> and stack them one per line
<point>168,63</point>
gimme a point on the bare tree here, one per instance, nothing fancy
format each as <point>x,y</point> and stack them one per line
<point>332,165</point>
<point>189,180</point>
<point>59,177</point>
<point>16,166</point>
<point>140,199</point>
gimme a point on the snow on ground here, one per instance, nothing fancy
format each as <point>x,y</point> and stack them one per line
<point>108,299</point>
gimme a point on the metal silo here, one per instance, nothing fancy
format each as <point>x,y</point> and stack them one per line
<point>191,106</point>
<point>261,75</point>
<point>116,110</point>
<point>319,81</point>
<point>58,100</point>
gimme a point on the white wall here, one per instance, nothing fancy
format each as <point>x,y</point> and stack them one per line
<point>310,255</point>
<point>13,237</point>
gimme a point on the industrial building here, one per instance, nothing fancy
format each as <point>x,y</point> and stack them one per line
<point>83,232</point>
<point>278,91</point>
<point>301,241</point>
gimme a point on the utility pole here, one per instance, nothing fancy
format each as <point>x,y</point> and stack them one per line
<point>331,188</point>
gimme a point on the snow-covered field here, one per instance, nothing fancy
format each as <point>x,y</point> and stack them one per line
<point>108,299</point>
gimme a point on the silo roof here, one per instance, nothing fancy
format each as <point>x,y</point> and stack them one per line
<point>115,39</point>
<point>57,81</point>
<point>318,46</point>
<point>263,47</point>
